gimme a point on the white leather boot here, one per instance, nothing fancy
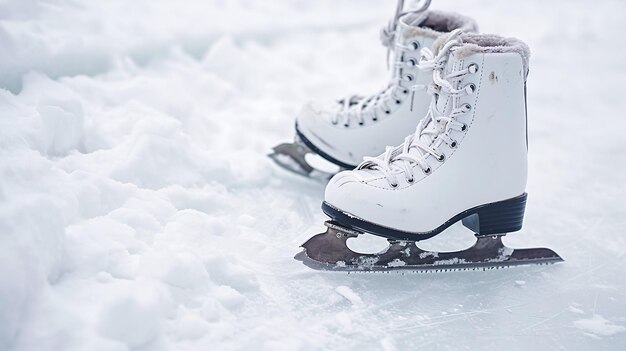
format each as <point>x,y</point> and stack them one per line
<point>345,131</point>
<point>466,161</point>
<point>468,155</point>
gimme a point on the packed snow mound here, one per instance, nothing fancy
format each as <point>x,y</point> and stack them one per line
<point>64,38</point>
<point>138,209</point>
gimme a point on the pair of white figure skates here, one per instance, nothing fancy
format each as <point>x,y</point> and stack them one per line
<point>463,96</point>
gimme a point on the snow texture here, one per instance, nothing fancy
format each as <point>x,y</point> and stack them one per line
<point>138,209</point>
<point>598,326</point>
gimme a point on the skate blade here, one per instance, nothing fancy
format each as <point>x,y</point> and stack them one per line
<point>292,157</point>
<point>328,251</point>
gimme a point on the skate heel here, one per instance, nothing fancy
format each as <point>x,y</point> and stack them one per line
<point>497,218</point>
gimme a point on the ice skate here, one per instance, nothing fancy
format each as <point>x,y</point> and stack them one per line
<point>337,135</point>
<point>467,161</point>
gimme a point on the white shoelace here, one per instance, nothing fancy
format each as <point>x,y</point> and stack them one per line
<point>399,159</point>
<point>358,107</point>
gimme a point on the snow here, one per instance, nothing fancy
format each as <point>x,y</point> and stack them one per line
<point>396,263</point>
<point>138,209</point>
<point>350,295</point>
<point>598,326</point>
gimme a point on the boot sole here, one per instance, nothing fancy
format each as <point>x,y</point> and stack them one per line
<point>494,218</point>
<point>321,153</point>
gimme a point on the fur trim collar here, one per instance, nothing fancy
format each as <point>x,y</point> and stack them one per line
<point>435,24</point>
<point>486,43</point>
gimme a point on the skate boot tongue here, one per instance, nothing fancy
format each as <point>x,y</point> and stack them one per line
<point>440,105</point>
<point>404,34</point>
<point>407,24</point>
<point>417,147</point>
<point>400,22</point>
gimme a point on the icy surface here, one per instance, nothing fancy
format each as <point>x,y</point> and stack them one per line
<point>138,209</point>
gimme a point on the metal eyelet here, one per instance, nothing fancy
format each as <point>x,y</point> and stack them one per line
<point>472,68</point>
<point>409,77</point>
<point>361,123</point>
<point>346,125</point>
<point>374,119</point>
<point>410,180</point>
<point>398,102</point>
<point>405,91</point>
<point>427,170</point>
<point>441,157</point>
<point>472,87</point>
<point>453,144</point>
<point>394,185</point>
<point>387,112</point>
<point>415,45</point>
<point>464,128</point>
<point>467,107</point>
<point>412,62</point>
